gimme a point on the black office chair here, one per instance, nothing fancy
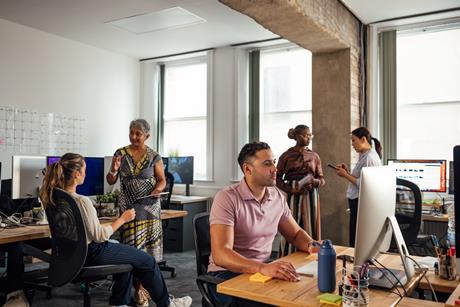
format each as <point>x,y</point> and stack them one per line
<point>165,201</point>
<point>409,216</point>
<point>69,247</point>
<point>201,235</point>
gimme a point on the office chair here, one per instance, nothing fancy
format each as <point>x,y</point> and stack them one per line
<point>165,201</point>
<point>69,247</point>
<point>201,235</point>
<point>409,216</point>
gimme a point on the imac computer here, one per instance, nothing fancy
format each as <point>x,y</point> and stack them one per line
<point>182,170</point>
<point>94,180</point>
<point>376,223</point>
<point>27,176</point>
<point>456,175</point>
<point>428,175</point>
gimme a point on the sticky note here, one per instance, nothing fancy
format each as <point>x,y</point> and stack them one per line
<point>257,277</point>
<point>332,299</point>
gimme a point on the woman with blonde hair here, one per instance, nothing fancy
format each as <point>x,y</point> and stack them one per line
<point>67,174</point>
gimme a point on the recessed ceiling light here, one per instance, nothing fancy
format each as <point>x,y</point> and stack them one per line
<point>171,18</point>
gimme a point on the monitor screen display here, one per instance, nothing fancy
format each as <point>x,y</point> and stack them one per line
<point>428,175</point>
<point>94,180</point>
<point>27,176</point>
<point>182,169</point>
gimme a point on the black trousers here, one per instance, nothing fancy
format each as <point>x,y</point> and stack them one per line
<point>353,204</point>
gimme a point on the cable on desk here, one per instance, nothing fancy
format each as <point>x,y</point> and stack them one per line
<point>424,275</point>
<point>385,274</point>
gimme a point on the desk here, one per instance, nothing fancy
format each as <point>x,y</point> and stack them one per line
<point>9,235</point>
<point>304,293</point>
<point>413,302</point>
<point>439,284</point>
<point>178,235</point>
<point>444,218</point>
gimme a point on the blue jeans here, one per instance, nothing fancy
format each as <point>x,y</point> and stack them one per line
<point>145,269</point>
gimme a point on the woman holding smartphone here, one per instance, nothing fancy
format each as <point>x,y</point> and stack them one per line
<point>361,140</point>
<point>142,178</point>
<point>299,172</point>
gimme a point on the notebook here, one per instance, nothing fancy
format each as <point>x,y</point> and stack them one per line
<point>310,269</point>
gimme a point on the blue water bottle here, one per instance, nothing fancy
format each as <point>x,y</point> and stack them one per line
<point>326,267</point>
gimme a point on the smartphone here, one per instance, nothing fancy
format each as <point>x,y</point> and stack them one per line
<point>332,166</point>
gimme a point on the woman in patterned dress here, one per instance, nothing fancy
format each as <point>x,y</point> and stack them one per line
<point>300,164</point>
<point>141,174</point>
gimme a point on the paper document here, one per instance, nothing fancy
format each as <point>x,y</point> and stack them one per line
<point>310,269</point>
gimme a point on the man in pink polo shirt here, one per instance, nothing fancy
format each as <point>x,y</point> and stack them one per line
<point>245,218</point>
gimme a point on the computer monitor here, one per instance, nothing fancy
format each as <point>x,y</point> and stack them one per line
<point>456,174</point>
<point>376,220</point>
<point>27,176</point>
<point>451,178</point>
<point>0,178</point>
<point>182,170</point>
<point>428,175</point>
<point>94,180</point>
<point>165,164</point>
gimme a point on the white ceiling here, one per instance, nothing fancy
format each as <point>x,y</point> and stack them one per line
<point>369,11</point>
<point>84,21</point>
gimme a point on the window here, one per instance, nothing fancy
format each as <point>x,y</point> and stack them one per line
<point>285,95</point>
<point>428,95</point>
<point>185,118</point>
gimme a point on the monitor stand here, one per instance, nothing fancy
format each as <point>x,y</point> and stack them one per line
<point>187,189</point>
<point>387,280</point>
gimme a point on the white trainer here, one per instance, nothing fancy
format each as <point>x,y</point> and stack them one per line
<point>16,299</point>
<point>185,301</point>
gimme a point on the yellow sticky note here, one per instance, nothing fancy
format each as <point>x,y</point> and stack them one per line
<point>257,277</point>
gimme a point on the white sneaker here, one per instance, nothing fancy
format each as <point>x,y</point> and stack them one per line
<point>16,299</point>
<point>185,301</point>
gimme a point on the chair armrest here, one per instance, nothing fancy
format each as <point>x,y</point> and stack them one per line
<point>209,279</point>
<point>36,252</point>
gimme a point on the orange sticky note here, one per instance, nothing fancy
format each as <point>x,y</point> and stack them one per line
<point>257,277</point>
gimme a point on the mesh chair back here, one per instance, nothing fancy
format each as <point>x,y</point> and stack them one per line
<point>408,209</point>
<point>68,238</point>
<point>201,235</point>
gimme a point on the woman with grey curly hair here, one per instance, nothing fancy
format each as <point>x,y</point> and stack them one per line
<point>141,174</point>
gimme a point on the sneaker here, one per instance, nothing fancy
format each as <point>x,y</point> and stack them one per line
<point>16,299</point>
<point>185,301</point>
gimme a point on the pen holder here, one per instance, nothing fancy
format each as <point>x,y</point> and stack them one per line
<point>355,290</point>
<point>447,267</point>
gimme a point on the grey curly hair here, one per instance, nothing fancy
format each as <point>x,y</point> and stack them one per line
<point>140,124</point>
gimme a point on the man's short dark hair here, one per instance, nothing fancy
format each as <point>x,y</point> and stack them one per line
<point>249,150</point>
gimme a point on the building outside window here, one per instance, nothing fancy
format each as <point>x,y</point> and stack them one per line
<point>285,95</point>
<point>428,93</point>
<point>185,113</point>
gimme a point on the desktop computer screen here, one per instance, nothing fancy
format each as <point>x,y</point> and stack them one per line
<point>182,169</point>
<point>27,176</point>
<point>94,180</point>
<point>428,175</point>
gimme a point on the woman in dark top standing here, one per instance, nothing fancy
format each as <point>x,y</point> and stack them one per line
<point>361,140</point>
<point>299,173</point>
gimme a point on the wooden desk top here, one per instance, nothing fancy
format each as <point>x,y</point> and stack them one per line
<point>413,302</point>
<point>436,218</point>
<point>305,292</point>
<point>439,284</point>
<point>9,235</point>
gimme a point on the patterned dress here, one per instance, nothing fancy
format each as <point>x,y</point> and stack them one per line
<point>295,165</point>
<point>136,181</point>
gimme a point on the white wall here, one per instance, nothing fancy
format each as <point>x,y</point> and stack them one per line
<point>48,73</point>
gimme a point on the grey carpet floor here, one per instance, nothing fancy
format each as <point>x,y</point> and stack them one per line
<point>183,284</point>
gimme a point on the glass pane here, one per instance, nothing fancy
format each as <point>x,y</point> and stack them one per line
<point>276,126</point>
<point>427,66</point>
<point>185,90</point>
<point>285,80</point>
<point>187,138</point>
<point>428,95</point>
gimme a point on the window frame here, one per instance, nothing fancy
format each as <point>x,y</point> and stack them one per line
<point>207,58</point>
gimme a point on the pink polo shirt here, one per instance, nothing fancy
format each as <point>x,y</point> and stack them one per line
<point>254,224</point>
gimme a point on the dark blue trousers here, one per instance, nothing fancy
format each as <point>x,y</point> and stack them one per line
<point>145,269</point>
